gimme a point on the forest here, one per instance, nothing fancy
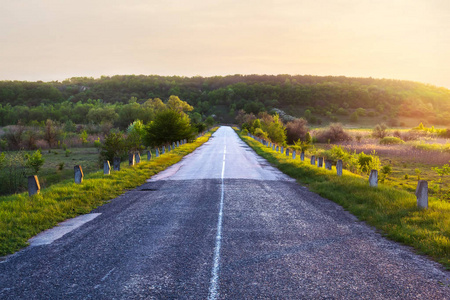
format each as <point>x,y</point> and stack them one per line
<point>121,99</point>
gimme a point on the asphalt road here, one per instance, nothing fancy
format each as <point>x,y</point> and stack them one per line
<point>221,224</point>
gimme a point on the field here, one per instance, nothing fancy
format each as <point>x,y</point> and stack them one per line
<point>23,216</point>
<point>410,161</point>
<point>392,210</point>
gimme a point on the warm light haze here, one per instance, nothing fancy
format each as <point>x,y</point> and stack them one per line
<point>54,40</point>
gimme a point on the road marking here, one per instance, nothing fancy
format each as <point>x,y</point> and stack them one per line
<point>214,284</point>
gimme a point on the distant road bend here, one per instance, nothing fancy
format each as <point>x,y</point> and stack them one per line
<point>221,224</point>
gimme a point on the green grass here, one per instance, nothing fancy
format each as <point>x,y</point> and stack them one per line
<point>22,216</point>
<point>391,210</point>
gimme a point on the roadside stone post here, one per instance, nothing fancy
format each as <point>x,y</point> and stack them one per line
<point>156,152</point>
<point>302,156</point>
<point>277,149</point>
<point>131,160</point>
<point>116,164</point>
<point>185,141</point>
<point>33,185</point>
<point>320,162</point>
<point>339,167</point>
<point>328,164</point>
<point>163,150</point>
<point>106,167</point>
<point>273,147</point>
<point>313,160</point>
<point>78,174</point>
<point>168,148</point>
<point>138,157</point>
<point>373,178</point>
<point>149,155</point>
<point>282,149</point>
<point>422,194</point>
<point>173,146</point>
<point>287,152</point>
<point>178,144</point>
<point>294,153</point>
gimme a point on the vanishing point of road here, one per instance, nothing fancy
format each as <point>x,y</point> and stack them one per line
<point>220,224</point>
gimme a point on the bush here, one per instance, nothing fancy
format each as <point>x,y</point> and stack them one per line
<point>296,130</point>
<point>35,161</point>
<point>334,133</point>
<point>113,146</point>
<point>380,131</point>
<point>391,140</point>
<point>342,111</point>
<point>261,134</point>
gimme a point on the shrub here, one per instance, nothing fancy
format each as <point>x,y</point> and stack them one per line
<point>35,161</point>
<point>354,117</point>
<point>368,162</point>
<point>113,146</point>
<point>380,131</point>
<point>334,133</point>
<point>261,134</point>
<point>296,130</point>
<point>342,111</point>
<point>391,140</point>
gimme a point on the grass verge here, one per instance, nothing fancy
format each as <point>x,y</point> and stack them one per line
<point>22,216</point>
<point>392,211</point>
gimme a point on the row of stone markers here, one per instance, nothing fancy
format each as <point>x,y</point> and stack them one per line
<point>133,158</point>
<point>421,190</point>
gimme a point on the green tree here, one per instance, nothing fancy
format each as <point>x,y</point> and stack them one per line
<point>113,146</point>
<point>35,161</point>
<point>277,131</point>
<point>174,103</point>
<point>169,126</point>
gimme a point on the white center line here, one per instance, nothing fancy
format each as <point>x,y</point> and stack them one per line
<point>214,284</point>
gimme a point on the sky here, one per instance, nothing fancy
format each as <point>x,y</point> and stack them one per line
<point>58,39</point>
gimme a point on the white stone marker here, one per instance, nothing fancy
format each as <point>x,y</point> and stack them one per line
<point>116,163</point>
<point>78,174</point>
<point>328,164</point>
<point>149,155</point>
<point>106,167</point>
<point>137,157</point>
<point>302,156</point>
<point>277,149</point>
<point>422,194</point>
<point>281,149</point>
<point>339,167</point>
<point>33,185</point>
<point>157,152</point>
<point>294,153</point>
<point>320,162</point>
<point>313,159</point>
<point>373,178</point>
<point>163,150</point>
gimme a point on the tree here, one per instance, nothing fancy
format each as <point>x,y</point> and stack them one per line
<point>169,126</point>
<point>35,161</point>
<point>113,146</point>
<point>277,131</point>
<point>51,132</point>
<point>174,103</point>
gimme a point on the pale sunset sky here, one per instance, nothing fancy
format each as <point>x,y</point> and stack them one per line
<point>58,39</point>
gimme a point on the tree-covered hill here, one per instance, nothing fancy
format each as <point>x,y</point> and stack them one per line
<point>319,98</point>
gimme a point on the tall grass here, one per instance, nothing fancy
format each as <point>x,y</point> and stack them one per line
<point>22,217</point>
<point>392,211</point>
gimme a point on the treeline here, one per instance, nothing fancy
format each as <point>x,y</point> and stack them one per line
<point>223,96</point>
